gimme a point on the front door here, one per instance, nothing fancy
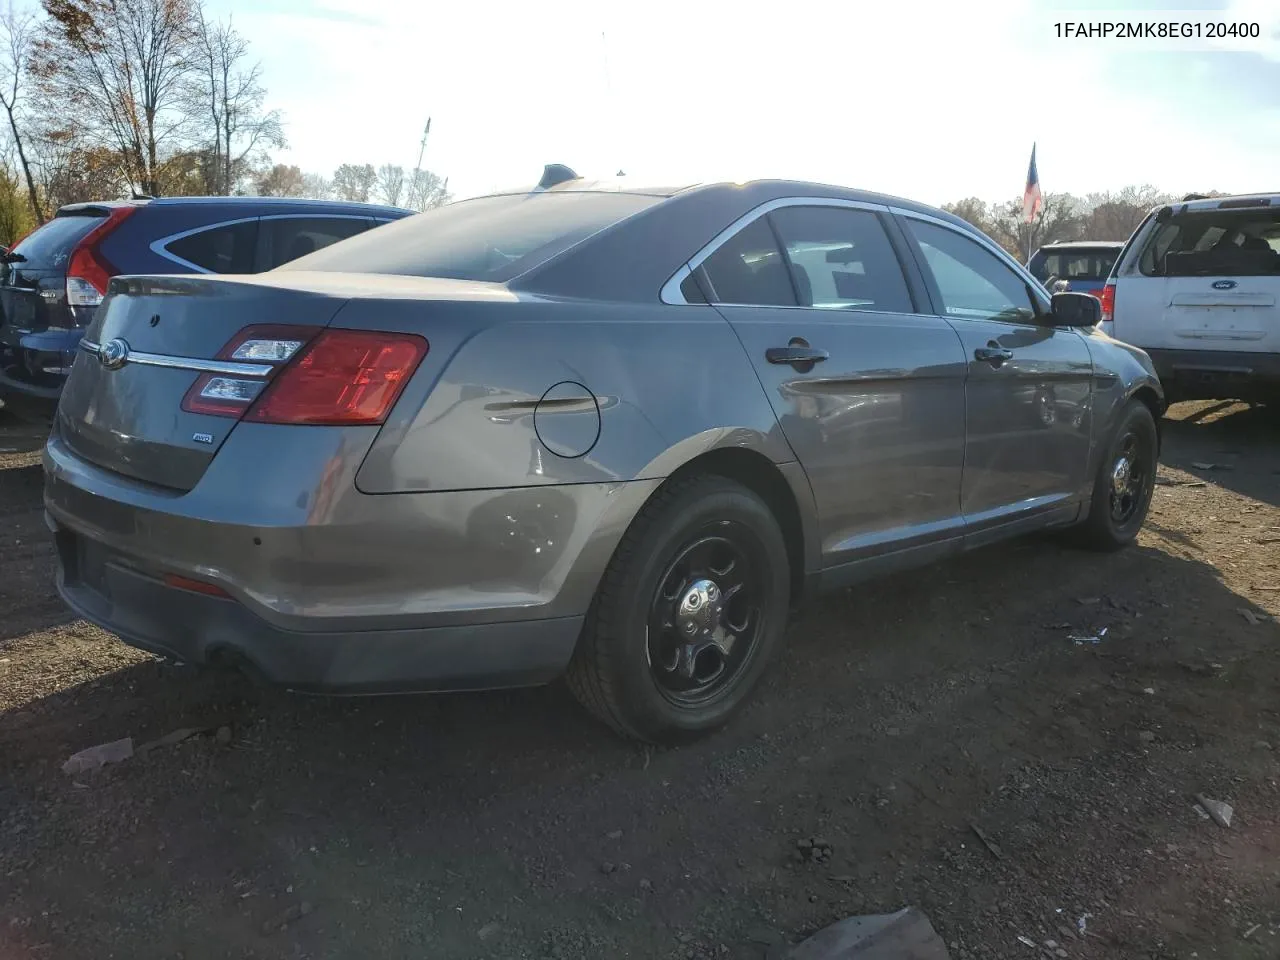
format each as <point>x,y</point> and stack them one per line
<point>1029,384</point>
<point>868,387</point>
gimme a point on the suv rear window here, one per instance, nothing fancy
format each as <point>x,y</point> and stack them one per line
<point>1077,263</point>
<point>489,238</point>
<point>1217,243</point>
<point>51,245</point>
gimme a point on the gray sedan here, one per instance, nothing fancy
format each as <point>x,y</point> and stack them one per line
<point>590,430</point>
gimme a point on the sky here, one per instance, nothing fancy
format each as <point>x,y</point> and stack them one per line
<point>933,100</point>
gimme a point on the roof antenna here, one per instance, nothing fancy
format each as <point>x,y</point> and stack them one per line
<point>554,173</point>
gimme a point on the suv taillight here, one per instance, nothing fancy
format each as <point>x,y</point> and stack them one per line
<point>334,377</point>
<point>88,271</point>
<point>1108,298</point>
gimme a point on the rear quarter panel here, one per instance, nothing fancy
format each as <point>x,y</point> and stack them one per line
<point>665,383</point>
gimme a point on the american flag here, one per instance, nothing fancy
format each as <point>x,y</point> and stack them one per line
<point>1031,197</point>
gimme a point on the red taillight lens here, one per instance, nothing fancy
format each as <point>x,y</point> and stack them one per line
<point>195,586</point>
<point>227,395</point>
<point>341,377</point>
<point>88,271</point>
<point>1108,298</point>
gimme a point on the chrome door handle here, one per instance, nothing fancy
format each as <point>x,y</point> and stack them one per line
<point>993,354</point>
<point>795,354</point>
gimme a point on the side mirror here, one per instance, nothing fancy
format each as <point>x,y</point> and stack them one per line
<point>1076,310</point>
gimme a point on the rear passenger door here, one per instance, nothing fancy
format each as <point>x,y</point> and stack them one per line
<point>287,237</point>
<point>868,388</point>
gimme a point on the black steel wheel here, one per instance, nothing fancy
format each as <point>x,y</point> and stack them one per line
<point>1125,481</point>
<point>689,613</point>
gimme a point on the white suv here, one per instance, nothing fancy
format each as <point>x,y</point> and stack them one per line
<point>1197,287</point>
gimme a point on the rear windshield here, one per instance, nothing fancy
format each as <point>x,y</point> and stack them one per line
<point>489,238</point>
<point>1218,243</point>
<point>51,245</point>
<point>1078,263</point>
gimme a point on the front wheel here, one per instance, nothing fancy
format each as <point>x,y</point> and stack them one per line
<point>1125,482</point>
<point>690,611</point>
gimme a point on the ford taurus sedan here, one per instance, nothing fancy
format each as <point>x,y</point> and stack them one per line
<point>588,429</point>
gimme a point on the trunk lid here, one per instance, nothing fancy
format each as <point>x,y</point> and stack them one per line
<point>129,418</point>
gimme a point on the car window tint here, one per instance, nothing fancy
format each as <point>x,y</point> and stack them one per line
<point>842,259</point>
<point>749,269</point>
<point>1231,243</point>
<point>493,238</point>
<point>221,249</point>
<point>973,282</point>
<point>283,239</point>
<point>51,245</point>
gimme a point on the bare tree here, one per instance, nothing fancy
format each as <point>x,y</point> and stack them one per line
<point>354,182</point>
<point>391,183</point>
<point>226,93</point>
<point>315,186</point>
<point>281,180</point>
<point>16,36</point>
<point>427,190</point>
<point>120,68</point>
<point>971,210</point>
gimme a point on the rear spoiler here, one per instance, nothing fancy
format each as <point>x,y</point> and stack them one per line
<point>1167,213</point>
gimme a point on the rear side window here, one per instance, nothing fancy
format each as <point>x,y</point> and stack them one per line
<point>283,239</point>
<point>750,269</point>
<point>842,259</point>
<point>973,282</point>
<point>489,238</point>
<point>51,245</point>
<point>1220,243</point>
<point>227,248</point>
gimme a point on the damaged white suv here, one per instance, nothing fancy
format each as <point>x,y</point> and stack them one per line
<point>1197,287</point>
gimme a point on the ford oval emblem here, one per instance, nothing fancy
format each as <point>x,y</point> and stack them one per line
<point>1224,284</point>
<point>114,354</point>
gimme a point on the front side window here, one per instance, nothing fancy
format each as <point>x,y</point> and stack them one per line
<point>973,283</point>
<point>227,248</point>
<point>288,238</point>
<point>842,259</point>
<point>750,269</point>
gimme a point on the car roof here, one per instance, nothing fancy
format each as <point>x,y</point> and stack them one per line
<point>1084,244</point>
<point>761,191</point>
<point>1241,201</point>
<point>296,203</point>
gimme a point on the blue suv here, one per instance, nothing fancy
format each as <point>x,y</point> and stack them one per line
<point>52,282</point>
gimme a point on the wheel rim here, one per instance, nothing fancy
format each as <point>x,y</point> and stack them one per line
<point>706,617</point>
<point>1130,479</point>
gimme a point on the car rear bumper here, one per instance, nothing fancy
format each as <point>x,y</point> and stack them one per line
<point>193,628</point>
<point>323,587</point>
<point>1217,374</point>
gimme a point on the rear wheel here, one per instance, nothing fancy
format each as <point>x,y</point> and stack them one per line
<point>1126,479</point>
<point>688,615</point>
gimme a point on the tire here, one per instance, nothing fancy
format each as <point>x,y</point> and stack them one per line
<point>1111,525</point>
<point>628,668</point>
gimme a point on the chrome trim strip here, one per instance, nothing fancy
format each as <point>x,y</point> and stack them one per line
<point>226,367</point>
<point>670,292</point>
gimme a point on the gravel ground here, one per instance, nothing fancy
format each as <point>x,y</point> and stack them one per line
<point>906,714</point>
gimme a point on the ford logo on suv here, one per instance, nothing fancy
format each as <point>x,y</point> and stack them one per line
<point>1224,284</point>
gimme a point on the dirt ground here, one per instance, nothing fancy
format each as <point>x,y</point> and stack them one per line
<point>906,713</point>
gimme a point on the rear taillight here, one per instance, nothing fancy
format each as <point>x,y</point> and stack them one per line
<point>88,271</point>
<point>228,395</point>
<point>1108,298</point>
<point>331,377</point>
